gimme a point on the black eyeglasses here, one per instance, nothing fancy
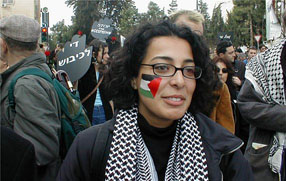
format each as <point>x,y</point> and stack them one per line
<point>224,70</point>
<point>168,70</point>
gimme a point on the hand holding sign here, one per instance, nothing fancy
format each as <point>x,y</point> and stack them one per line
<point>75,59</point>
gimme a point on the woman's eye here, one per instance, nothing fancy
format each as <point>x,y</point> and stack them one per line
<point>162,67</point>
<point>189,71</point>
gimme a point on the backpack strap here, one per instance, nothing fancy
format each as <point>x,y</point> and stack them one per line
<point>100,153</point>
<point>29,71</point>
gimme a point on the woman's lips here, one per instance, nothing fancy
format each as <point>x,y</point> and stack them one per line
<point>174,100</point>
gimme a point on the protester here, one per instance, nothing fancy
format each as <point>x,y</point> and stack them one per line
<point>262,48</point>
<point>221,111</point>
<point>241,57</point>
<point>54,55</point>
<point>191,19</point>
<point>225,51</point>
<point>158,81</point>
<point>96,102</point>
<point>252,51</point>
<point>226,74</point>
<point>262,103</point>
<point>37,109</point>
<point>238,51</point>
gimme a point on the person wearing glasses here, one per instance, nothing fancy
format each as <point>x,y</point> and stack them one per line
<point>158,82</point>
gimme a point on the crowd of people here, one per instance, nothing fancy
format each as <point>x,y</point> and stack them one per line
<point>161,108</point>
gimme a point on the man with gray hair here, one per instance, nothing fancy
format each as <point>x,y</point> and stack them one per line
<point>192,19</point>
<point>262,102</point>
<point>36,115</point>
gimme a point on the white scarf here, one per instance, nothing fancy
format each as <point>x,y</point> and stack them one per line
<point>129,158</point>
<point>266,75</point>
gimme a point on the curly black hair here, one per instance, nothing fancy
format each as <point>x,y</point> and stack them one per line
<point>125,65</point>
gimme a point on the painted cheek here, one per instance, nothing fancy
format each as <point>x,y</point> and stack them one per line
<point>149,85</point>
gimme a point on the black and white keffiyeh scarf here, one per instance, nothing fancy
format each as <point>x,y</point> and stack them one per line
<point>129,158</point>
<point>266,75</point>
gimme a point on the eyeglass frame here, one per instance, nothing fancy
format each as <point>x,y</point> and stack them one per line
<point>176,69</point>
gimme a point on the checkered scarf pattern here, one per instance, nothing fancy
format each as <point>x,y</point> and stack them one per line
<point>128,157</point>
<point>266,75</point>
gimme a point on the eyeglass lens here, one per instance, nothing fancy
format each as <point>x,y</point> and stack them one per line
<point>169,70</point>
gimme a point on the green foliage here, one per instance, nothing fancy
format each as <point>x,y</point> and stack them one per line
<point>203,9</point>
<point>216,26</point>
<point>88,11</point>
<point>129,19</point>
<point>60,34</point>
<point>154,14</point>
<point>246,20</point>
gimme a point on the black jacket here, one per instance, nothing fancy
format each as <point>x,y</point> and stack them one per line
<point>239,69</point>
<point>87,158</point>
<point>18,162</point>
<point>85,85</point>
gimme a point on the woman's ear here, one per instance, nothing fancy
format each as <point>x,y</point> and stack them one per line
<point>134,83</point>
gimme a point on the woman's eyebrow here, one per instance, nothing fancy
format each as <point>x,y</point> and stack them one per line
<point>170,59</point>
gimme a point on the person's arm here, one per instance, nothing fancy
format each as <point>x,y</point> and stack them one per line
<point>235,167</point>
<point>259,113</point>
<point>77,164</point>
<point>37,118</point>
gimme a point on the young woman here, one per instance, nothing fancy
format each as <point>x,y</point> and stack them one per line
<point>226,73</point>
<point>98,105</point>
<point>159,81</point>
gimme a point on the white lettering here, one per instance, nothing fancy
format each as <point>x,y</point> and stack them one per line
<point>62,62</point>
<point>74,43</point>
<point>87,51</point>
<point>101,31</point>
<point>81,55</point>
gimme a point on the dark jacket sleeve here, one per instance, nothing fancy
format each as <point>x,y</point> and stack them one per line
<point>235,167</point>
<point>259,113</point>
<point>77,163</point>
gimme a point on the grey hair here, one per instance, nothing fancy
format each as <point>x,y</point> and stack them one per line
<point>193,16</point>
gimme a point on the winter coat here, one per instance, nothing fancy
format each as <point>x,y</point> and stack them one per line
<point>37,116</point>
<point>87,158</point>
<point>222,112</point>
<point>264,119</point>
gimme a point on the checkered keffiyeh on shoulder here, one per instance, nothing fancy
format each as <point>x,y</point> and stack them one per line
<point>266,75</point>
<point>130,159</point>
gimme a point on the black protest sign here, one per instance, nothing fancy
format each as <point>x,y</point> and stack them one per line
<point>101,29</point>
<point>227,36</point>
<point>75,59</point>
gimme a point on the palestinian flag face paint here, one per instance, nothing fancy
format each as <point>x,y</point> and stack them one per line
<point>149,85</point>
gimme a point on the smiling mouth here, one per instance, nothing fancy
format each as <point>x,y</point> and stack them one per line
<point>174,99</point>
